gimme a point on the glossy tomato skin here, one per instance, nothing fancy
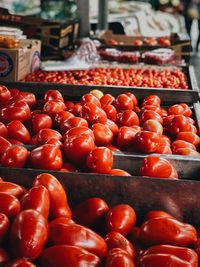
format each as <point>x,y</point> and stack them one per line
<point>3,130</point>
<point>78,131</point>
<point>156,214</point>
<point>90,98</point>
<point>181,144</point>
<point>119,257</point>
<point>4,226</point>
<point>53,107</point>
<point>77,235</point>
<point>41,121</point>
<point>153,126</point>
<point>5,95</point>
<point>107,99</point>
<point>28,235</point>
<point>146,142</point>
<point>20,262</point>
<point>100,160</point>
<point>167,231</point>
<point>119,172</point>
<point>62,116</point>
<point>11,189</point>
<point>126,136</point>
<point>46,157</point>
<point>154,166</point>
<point>111,112</point>
<point>53,95</point>
<point>152,100</point>
<point>127,118</point>
<point>71,123</point>
<point>29,98</point>
<point>103,135</point>
<point>180,109</point>
<point>117,240</point>
<point>123,102</point>
<point>4,258</point>
<point>78,147</point>
<point>46,134</point>
<point>37,198</point>
<point>133,97</point>
<point>187,152</point>
<point>180,123</point>
<point>9,205</point>
<point>150,115</point>
<point>189,137</point>
<point>68,256</point>
<point>18,131</point>
<point>58,199</point>
<point>110,124</point>
<point>90,212</point>
<point>121,218</point>
<point>14,156</point>
<point>92,113</point>
<point>63,220</point>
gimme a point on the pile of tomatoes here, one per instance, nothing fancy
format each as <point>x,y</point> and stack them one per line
<point>68,136</point>
<point>38,228</point>
<point>162,41</point>
<point>138,77</point>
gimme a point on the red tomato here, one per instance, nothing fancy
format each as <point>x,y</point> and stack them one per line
<point>111,112</point>
<point>150,115</point>
<point>113,148</point>
<point>76,109</point>
<point>29,98</point>
<point>167,121</point>
<point>3,130</point>
<point>46,134</point>
<point>69,105</point>
<point>28,234</point>
<point>66,125</point>
<point>127,118</point>
<point>123,102</point>
<point>125,137</point>
<point>180,123</point>
<point>11,189</point>
<point>77,235</point>
<point>116,240</point>
<point>58,199</point>
<point>17,111</point>
<point>4,258</point>
<point>9,205</point>
<point>15,142</point>
<point>102,134</point>
<point>4,226</point>
<point>37,198</point>
<point>63,220</point>
<point>90,98</point>
<point>15,156</point>
<point>156,214</point>
<point>121,218</point>
<point>154,166</point>
<point>133,97</point>
<point>189,137</point>
<point>18,131</point>
<point>151,100</point>
<point>33,140</point>
<point>90,212</point>
<point>14,91</point>
<point>4,144</point>
<point>68,256</point>
<point>53,95</point>
<point>54,142</point>
<point>100,160</point>
<point>106,99</point>
<point>53,107</point>
<point>62,116</point>
<point>46,157</point>
<point>20,262</point>
<point>68,167</point>
<point>167,231</point>
<point>146,142</point>
<point>187,152</point>
<point>119,257</point>
<point>92,113</point>
<point>111,125</point>
<point>4,95</point>
<point>78,131</point>
<point>157,109</point>
<point>180,109</point>
<point>41,121</point>
<point>153,126</point>
<point>119,172</point>
<point>78,147</point>
<point>182,144</point>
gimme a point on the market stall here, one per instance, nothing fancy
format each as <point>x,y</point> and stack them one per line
<point>99,151</point>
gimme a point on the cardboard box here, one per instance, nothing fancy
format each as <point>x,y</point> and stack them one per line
<point>15,64</point>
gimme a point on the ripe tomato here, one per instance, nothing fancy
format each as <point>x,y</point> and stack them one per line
<point>97,93</point>
<point>77,235</point>
<point>77,148</point>
<point>46,157</point>
<point>121,218</point>
<point>119,172</point>
<point>150,115</point>
<point>153,126</point>
<point>102,134</point>
<point>111,112</point>
<point>116,240</point>
<point>68,256</point>
<point>154,166</point>
<point>187,152</point>
<point>180,123</point>
<point>37,198</point>
<point>4,144</point>
<point>53,95</point>
<point>189,137</point>
<point>90,212</point>
<point>76,110</point>
<point>146,142</point>
<point>4,226</point>
<point>5,95</point>
<point>3,130</point>
<point>18,131</point>
<point>41,121</point>
<point>28,97</point>
<point>127,118</point>
<point>78,131</point>
<point>20,262</point>
<point>119,257</point>
<point>157,109</point>
<point>58,199</point>
<point>62,116</point>
<point>11,189</point>
<point>90,98</point>
<point>28,234</point>
<point>123,102</point>
<point>100,160</point>
<point>14,156</point>
<point>53,107</point>
<point>182,144</point>
<point>9,205</point>
<point>133,97</point>
<point>68,167</point>
<point>4,258</point>
<point>92,113</point>
<point>46,134</point>
<point>156,214</point>
<point>125,137</point>
<point>71,123</point>
<point>152,100</point>
<point>180,109</point>
<point>110,124</point>
<point>106,99</point>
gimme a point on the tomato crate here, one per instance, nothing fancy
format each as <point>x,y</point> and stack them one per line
<point>75,91</point>
<point>180,198</point>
